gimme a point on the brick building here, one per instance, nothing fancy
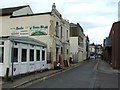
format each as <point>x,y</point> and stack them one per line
<point>112,46</point>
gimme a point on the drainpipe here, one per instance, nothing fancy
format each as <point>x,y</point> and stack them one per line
<point>12,61</point>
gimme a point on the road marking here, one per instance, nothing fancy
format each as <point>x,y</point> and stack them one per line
<point>93,81</point>
<point>96,66</point>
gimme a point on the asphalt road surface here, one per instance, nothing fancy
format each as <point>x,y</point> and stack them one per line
<point>84,76</point>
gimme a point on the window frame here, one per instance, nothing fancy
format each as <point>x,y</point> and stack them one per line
<point>30,55</point>
<point>22,60</point>
<point>2,54</point>
<point>37,55</point>
<point>15,53</point>
<point>43,58</point>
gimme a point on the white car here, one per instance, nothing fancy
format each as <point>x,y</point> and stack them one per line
<point>92,57</point>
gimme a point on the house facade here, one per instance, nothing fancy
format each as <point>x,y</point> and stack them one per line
<point>92,50</point>
<point>96,51</point>
<point>77,43</point>
<point>48,27</point>
<point>87,47</point>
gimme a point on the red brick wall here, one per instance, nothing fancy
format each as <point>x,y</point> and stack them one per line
<point>115,35</point>
<point>73,31</point>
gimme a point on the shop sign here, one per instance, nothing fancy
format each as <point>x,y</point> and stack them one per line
<point>29,30</point>
<point>42,27</point>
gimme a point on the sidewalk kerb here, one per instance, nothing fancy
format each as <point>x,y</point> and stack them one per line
<point>40,78</point>
<point>49,75</point>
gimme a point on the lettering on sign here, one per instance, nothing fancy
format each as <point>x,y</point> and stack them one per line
<point>35,30</point>
<point>39,27</point>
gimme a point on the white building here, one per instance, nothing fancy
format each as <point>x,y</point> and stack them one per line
<point>92,48</point>
<point>77,43</point>
<point>48,27</point>
<point>20,55</point>
<point>92,51</point>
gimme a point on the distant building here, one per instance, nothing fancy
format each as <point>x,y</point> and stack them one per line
<point>96,51</point>
<point>87,47</point>
<point>99,51</point>
<point>112,46</point>
<point>86,52</point>
<point>77,42</point>
<point>92,50</point>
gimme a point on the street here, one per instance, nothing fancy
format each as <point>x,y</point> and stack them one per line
<point>60,44</point>
<point>84,76</point>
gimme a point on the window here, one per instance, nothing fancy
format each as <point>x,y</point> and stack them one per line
<point>43,55</point>
<point>37,55</point>
<point>15,55</point>
<point>31,55</point>
<point>67,51</point>
<point>61,32</point>
<point>61,50</point>
<point>67,34</point>
<point>57,29</point>
<point>24,55</point>
<point>1,54</point>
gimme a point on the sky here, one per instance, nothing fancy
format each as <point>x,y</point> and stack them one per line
<point>95,16</point>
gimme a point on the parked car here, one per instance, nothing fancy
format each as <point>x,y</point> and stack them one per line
<point>92,57</point>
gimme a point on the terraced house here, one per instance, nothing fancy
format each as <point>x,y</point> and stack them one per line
<point>77,43</point>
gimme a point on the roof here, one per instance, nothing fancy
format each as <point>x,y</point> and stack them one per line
<point>114,25</point>
<point>73,25</point>
<point>9,11</point>
<point>25,40</point>
<point>31,15</point>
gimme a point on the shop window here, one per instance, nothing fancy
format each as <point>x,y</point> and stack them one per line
<point>24,55</point>
<point>43,55</point>
<point>1,54</point>
<point>15,55</point>
<point>37,55</point>
<point>31,55</point>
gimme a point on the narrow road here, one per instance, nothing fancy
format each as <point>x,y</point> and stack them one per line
<point>83,76</point>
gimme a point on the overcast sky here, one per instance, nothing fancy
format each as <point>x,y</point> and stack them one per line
<point>95,16</point>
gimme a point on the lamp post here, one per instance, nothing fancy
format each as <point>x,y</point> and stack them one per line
<point>12,58</point>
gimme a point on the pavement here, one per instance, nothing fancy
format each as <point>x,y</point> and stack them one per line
<point>103,66</point>
<point>106,76</point>
<point>23,80</point>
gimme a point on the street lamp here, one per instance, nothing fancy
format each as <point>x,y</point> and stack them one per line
<point>12,58</point>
